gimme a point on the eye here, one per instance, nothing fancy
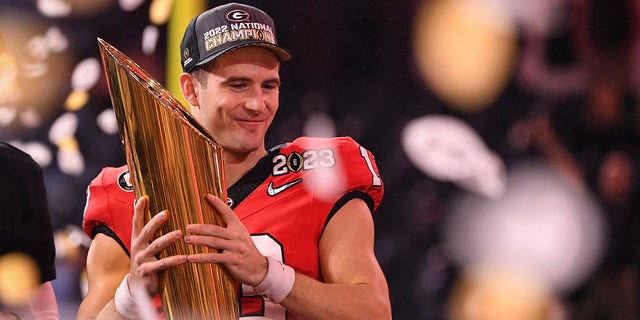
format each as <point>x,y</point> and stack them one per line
<point>271,86</point>
<point>238,85</point>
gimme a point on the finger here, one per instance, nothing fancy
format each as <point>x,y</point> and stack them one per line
<point>138,215</point>
<point>155,266</point>
<point>211,257</point>
<point>146,233</point>
<point>209,230</point>
<point>210,242</point>
<point>163,242</point>
<point>227,214</point>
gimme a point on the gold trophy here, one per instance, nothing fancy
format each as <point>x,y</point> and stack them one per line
<point>174,161</point>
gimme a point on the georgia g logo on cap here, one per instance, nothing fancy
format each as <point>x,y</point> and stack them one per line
<point>237,15</point>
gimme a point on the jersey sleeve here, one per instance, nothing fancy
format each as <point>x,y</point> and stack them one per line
<point>361,171</point>
<point>109,207</point>
<point>338,169</point>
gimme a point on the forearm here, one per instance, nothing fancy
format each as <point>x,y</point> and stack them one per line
<point>109,312</point>
<point>41,305</point>
<point>93,303</point>
<point>126,305</point>
<point>312,299</point>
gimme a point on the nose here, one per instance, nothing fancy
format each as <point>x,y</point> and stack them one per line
<point>256,100</point>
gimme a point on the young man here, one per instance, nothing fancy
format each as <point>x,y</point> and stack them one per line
<point>318,260</point>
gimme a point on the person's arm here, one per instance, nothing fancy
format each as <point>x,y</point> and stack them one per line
<point>41,305</point>
<point>144,266</point>
<point>354,287</point>
<point>107,265</point>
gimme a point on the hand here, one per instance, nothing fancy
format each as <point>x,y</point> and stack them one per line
<point>144,264</point>
<point>8,316</point>
<point>232,246</point>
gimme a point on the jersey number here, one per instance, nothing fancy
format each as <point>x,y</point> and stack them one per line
<point>310,159</point>
<point>321,158</point>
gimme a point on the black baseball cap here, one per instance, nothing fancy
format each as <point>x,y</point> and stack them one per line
<point>219,30</point>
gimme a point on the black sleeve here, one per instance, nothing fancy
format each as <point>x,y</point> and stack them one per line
<point>24,210</point>
<point>109,233</point>
<point>346,198</point>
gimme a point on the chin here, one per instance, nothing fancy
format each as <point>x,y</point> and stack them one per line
<point>243,147</point>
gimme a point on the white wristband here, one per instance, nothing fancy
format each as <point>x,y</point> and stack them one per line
<point>278,282</point>
<point>124,301</point>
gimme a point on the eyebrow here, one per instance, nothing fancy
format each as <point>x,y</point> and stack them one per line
<point>247,79</point>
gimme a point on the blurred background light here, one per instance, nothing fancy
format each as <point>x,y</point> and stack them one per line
<point>464,51</point>
<point>542,226</point>
<point>448,149</point>
<point>498,293</point>
<point>62,8</point>
<point>35,80</point>
<point>30,117</point>
<point>76,100</point>
<point>61,133</point>
<point>7,115</point>
<point>54,8</point>
<point>86,74</point>
<point>19,277</point>
<point>160,11</point>
<point>130,5</point>
<point>107,121</point>
<point>319,124</point>
<point>65,126</point>
<point>8,73</point>
<point>150,37</point>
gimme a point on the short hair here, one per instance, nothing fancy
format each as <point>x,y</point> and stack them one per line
<point>200,72</point>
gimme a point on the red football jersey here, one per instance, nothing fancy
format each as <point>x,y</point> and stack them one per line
<point>285,202</point>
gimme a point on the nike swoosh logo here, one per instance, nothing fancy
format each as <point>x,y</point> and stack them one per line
<point>275,191</point>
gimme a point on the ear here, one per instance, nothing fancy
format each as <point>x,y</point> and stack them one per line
<point>189,88</point>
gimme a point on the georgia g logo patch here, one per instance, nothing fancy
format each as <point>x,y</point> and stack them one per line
<point>124,181</point>
<point>237,15</point>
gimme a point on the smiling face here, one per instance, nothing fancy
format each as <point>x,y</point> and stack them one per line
<point>236,98</point>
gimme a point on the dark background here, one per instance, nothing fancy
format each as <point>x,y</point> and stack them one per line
<point>353,61</point>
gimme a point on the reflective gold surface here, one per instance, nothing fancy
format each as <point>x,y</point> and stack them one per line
<point>176,162</point>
